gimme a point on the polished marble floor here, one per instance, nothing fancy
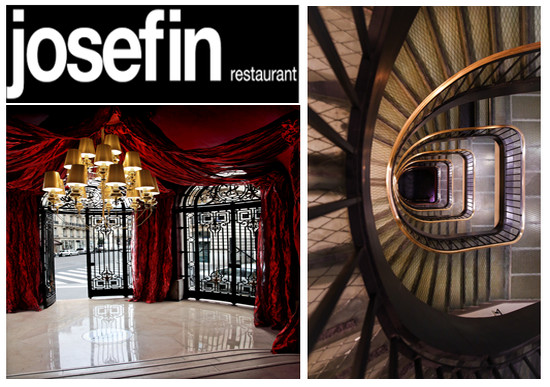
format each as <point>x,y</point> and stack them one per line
<point>89,333</point>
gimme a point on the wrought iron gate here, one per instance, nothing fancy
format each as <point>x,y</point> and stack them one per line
<point>109,262</point>
<point>108,253</point>
<point>47,252</point>
<point>219,228</point>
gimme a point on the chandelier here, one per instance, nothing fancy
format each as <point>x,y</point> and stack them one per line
<point>99,172</point>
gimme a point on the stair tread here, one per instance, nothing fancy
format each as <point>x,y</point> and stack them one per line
<point>191,364</point>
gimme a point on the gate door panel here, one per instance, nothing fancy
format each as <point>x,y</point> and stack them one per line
<point>48,257</point>
<point>109,261</point>
<point>219,232</point>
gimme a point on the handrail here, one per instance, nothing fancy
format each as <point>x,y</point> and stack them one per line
<point>443,191</point>
<point>433,334</point>
<point>424,331</point>
<point>512,192</point>
<point>443,97</point>
<point>430,104</point>
<point>468,187</point>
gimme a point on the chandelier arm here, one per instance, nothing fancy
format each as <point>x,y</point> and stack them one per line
<point>150,210</point>
<point>97,178</point>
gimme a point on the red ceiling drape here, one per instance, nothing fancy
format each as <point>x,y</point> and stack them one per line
<point>32,150</point>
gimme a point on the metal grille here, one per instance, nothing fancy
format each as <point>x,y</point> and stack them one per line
<point>109,263</point>
<point>47,252</point>
<point>219,227</point>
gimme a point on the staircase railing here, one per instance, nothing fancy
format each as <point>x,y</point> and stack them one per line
<point>516,69</point>
<point>468,186</point>
<point>443,191</point>
<point>428,337</point>
<point>510,225</point>
<point>519,71</point>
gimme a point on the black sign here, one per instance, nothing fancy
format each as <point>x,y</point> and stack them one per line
<point>164,54</point>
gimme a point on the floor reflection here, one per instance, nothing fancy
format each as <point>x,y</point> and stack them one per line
<point>89,333</point>
<point>218,330</point>
<point>112,334</point>
<point>106,334</point>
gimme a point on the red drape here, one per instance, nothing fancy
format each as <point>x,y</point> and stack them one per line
<point>277,293</point>
<point>22,252</point>
<point>32,150</point>
<point>153,239</point>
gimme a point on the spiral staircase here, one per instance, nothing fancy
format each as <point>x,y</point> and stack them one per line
<point>396,286</point>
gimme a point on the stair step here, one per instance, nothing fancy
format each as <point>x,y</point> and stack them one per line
<point>223,364</point>
<point>455,282</point>
<point>470,279</point>
<point>483,273</point>
<point>423,289</point>
<point>401,258</point>
<point>440,284</point>
<point>499,270</point>
<point>414,269</point>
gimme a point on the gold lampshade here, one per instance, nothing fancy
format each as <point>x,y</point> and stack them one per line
<point>61,184</point>
<point>78,177</point>
<point>72,157</point>
<point>132,193</point>
<point>155,190</point>
<point>115,176</point>
<point>52,182</point>
<point>144,180</point>
<point>104,155</point>
<point>114,143</point>
<point>86,148</point>
<point>132,161</point>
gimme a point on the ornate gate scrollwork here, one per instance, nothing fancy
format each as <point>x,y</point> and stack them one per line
<point>219,227</point>
<point>109,260</point>
<point>48,257</point>
<point>108,246</point>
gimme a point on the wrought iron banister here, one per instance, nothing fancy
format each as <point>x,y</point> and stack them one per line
<point>511,218</point>
<point>428,337</point>
<point>466,86</point>
<point>468,186</point>
<point>444,200</point>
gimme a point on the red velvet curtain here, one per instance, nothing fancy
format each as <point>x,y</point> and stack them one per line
<point>278,289</point>
<point>153,240</point>
<point>32,150</point>
<point>22,251</point>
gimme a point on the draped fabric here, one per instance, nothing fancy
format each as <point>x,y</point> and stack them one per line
<point>153,239</point>
<point>32,150</point>
<point>288,340</point>
<point>22,252</point>
<point>278,267</point>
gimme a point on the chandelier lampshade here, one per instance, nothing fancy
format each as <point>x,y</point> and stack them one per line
<point>115,176</point>
<point>86,148</point>
<point>155,190</point>
<point>78,177</point>
<point>73,157</point>
<point>96,177</point>
<point>132,161</point>
<point>132,193</point>
<point>114,143</point>
<point>144,180</point>
<point>61,184</point>
<point>104,156</point>
<point>52,182</point>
